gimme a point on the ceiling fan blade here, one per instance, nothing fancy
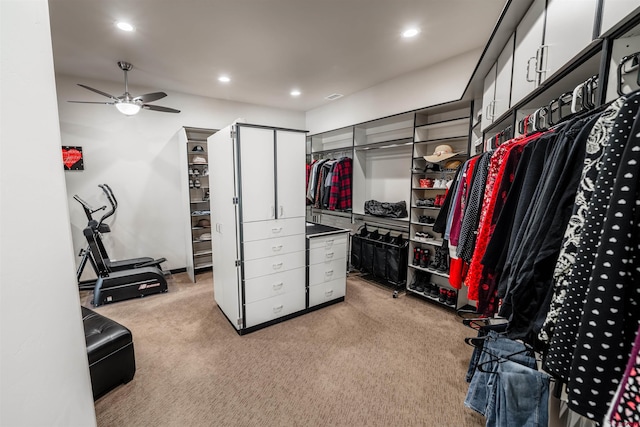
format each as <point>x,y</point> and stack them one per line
<point>91,102</point>
<point>150,97</point>
<point>98,91</point>
<point>159,108</point>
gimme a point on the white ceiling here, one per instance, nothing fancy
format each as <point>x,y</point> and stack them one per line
<point>267,47</point>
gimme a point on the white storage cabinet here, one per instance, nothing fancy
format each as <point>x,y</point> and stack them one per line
<point>258,189</point>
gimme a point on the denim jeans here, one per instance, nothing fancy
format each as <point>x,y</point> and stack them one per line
<point>482,383</point>
<point>521,397</point>
<point>477,351</point>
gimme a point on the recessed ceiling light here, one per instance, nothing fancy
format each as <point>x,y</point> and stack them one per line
<point>125,26</point>
<point>295,92</point>
<point>224,79</point>
<point>411,32</point>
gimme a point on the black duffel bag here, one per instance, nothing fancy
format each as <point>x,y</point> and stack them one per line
<point>385,209</point>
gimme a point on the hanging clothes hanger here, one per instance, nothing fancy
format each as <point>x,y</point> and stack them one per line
<point>634,59</point>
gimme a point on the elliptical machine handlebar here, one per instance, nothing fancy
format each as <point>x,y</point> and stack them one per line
<point>88,210</point>
<point>112,201</point>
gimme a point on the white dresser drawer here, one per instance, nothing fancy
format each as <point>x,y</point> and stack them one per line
<point>260,230</point>
<point>326,291</point>
<point>275,307</point>
<point>274,284</point>
<point>328,241</point>
<point>275,246</point>
<point>318,255</point>
<point>274,264</point>
<point>327,271</point>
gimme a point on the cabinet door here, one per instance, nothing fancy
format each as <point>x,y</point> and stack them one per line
<point>257,169</point>
<point>568,30</point>
<point>528,40</point>
<point>613,11</point>
<point>504,67</point>
<point>488,97</point>
<point>290,174</point>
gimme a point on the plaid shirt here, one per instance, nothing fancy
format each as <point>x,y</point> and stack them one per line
<point>340,196</point>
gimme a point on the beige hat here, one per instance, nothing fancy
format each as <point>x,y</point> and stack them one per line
<point>442,152</point>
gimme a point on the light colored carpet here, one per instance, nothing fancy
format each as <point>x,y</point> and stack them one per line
<point>371,360</point>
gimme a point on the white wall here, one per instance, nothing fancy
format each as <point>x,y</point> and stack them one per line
<point>440,83</point>
<point>44,372</point>
<point>138,157</point>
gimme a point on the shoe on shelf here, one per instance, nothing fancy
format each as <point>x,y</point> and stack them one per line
<point>443,265</point>
<point>196,172</point>
<point>190,183</point>
<point>427,288</point>
<point>196,183</point>
<point>417,254</point>
<point>424,259</point>
<point>452,297</point>
<point>435,262</point>
<point>429,203</point>
<point>414,284</point>
<point>442,296</point>
<point>435,291</point>
<point>429,220</point>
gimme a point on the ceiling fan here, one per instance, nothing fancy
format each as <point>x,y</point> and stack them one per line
<point>126,103</point>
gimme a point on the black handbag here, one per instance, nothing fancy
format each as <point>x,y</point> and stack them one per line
<point>385,209</point>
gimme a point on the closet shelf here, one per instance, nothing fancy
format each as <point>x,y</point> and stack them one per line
<point>429,188</point>
<point>421,223</point>
<point>201,266</point>
<point>427,242</point>
<point>444,123</point>
<point>428,270</point>
<point>431,298</point>
<point>385,144</point>
<point>199,201</point>
<point>196,227</point>
<point>426,207</point>
<point>202,253</point>
<point>437,140</point>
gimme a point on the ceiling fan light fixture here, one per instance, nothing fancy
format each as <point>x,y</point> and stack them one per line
<point>128,108</point>
<point>411,32</point>
<point>125,26</point>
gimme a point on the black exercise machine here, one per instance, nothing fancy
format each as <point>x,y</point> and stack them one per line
<point>117,280</point>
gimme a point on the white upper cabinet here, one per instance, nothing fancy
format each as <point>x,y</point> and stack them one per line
<point>504,67</point>
<point>529,37</point>
<point>568,30</point>
<point>258,173</point>
<point>290,181</point>
<point>488,97</point>
<point>613,11</point>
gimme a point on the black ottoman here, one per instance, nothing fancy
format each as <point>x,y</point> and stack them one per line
<point>110,352</point>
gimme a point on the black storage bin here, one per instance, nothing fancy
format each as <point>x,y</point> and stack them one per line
<point>380,257</point>
<point>396,260</point>
<point>356,247</point>
<point>368,251</point>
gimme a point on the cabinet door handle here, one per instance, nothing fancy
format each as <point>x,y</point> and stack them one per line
<point>277,286</point>
<point>278,309</point>
<point>329,255</point>
<point>281,210</point>
<point>276,229</point>
<point>328,293</point>
<point>539,58</point>
<point>533,58</point>
<point>277,266</point>
<point>273,211</point>
<point>276,248</point>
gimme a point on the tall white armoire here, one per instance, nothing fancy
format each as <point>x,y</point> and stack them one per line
<point>258,181</point>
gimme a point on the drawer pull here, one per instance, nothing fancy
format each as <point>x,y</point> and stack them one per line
<point>329,243</point>
<point>328,272</point>
<point>277,266</point>
<point>328,255</point>
<point>328,293</point>
<point>276,248</point>
<point>276,230</point>
<point>278,308</point>
<point>278,286</point>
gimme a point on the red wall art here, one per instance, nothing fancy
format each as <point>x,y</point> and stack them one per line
<point>72,158</point>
